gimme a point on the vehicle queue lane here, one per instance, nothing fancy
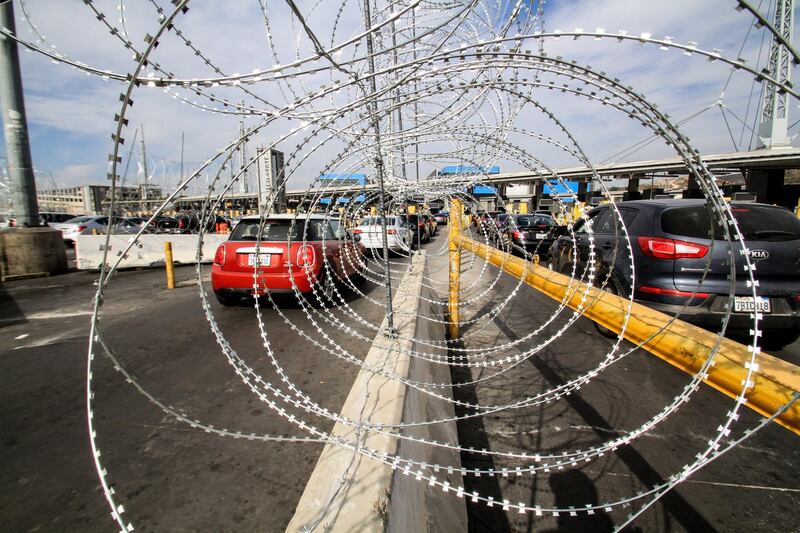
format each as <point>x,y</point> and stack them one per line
<point>754,487</point>
<point>167,475</point>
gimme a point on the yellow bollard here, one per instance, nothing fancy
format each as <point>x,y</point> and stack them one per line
<point>456,216</point>
<point>170,268</point>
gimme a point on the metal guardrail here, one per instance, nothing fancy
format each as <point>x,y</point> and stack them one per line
<point>679,343</point>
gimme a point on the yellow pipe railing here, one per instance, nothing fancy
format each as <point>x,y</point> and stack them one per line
<point>681,344</point>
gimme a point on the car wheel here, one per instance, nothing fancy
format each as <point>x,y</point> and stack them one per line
<point>611,286</point>
<point>778,340</point>
<point>326,292</point>
<point>227,298</point>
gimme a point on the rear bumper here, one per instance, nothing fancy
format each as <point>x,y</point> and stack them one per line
<point>710,313</point>
<point>279,282</point>
<point>542,248</point>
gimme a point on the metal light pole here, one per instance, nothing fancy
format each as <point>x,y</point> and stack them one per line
<point>18,151</point>
<point>379,169</point>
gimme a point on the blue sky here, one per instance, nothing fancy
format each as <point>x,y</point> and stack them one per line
<point>70,114</point>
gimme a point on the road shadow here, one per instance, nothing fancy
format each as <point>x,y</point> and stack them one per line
<point>472,434</point>
<point>573,488</point>
<point>10,313</point>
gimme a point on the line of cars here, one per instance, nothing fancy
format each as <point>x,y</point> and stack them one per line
<point>683,265</point>
<point>90,224</point>
<point>309,253</point>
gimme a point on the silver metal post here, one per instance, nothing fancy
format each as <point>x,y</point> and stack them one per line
<point>18,150</point>
<point>379,170</point>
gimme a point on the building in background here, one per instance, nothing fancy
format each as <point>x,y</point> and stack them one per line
<point>93,199</point>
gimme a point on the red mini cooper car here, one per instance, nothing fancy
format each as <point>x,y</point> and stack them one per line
<point>315,240</point>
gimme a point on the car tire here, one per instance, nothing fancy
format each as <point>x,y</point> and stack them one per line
<point>227,298</point>
<point>613,288</point>
<point>326,292</point>
<point>778,340</point>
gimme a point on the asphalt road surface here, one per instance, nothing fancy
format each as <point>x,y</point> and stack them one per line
<point>172,477</point>
<point>755,487</point>
<point>169,476</point>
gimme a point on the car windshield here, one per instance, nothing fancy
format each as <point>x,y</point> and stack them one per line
<point>277,230</point>
<point>756,222</point>
<point>376,221</point>
<point>79,220</point>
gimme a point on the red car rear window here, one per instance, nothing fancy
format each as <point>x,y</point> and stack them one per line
<point>278,230</point>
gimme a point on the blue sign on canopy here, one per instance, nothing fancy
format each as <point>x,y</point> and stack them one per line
<point>564,188</point>
<point>483,189</point>
<point>469,170</point>
<point>343,179</point>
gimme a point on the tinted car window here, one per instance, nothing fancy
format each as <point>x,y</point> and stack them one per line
<point>277,230</point>
<point>608,221</point>
<point>604,223</point>
<point>338,231</point>
<point>756,222</point>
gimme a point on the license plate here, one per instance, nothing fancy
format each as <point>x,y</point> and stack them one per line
<point>747,304</point>
<point>264,260</point>
<point>541,235</point>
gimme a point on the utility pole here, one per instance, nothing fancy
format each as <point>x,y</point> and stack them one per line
<point>144,168</point>
<point>379,168</point>
<point>18,151</point>
<point>774,122</point>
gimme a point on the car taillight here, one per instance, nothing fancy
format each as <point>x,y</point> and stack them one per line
<point>391,231</point>
<point>671,248</point>
<point>80,229</point>
<point>219,257</point>
<point>672,292</point>
<point>306,256</point>
<point>517,234</point>
<point>357,231</point>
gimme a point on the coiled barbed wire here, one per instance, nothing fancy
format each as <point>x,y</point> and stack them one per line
<point>387,87</point>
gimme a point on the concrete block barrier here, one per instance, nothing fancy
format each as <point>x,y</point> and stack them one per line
<point>31,252</point>
<point>349,492</point>
<point>147,252</point>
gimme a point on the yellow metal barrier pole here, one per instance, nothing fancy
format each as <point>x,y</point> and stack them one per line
<point>679,343</point>
<point>456,219</point>
<point>170,268</point>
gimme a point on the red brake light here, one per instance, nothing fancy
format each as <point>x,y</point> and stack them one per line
<point>671,248</point>
<point>80,229</point>
<point>671,292</point>
<point>357,231</point>
<point>219,257</point>
<point>517,234</point>
<point>306,256</point>
<point>391,231</point>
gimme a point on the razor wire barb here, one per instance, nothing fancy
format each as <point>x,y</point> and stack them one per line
<point>387,87</point>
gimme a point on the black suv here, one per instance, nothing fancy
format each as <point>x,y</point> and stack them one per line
<point>527,234</point>
<point>671,241</point>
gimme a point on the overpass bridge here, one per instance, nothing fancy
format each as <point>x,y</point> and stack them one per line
<point>763,171</point>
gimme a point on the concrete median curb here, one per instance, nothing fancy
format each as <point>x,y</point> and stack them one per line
<point>679,343</point>
<point>349,492</point>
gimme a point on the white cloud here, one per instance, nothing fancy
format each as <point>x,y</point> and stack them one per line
<point>76,106</point>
